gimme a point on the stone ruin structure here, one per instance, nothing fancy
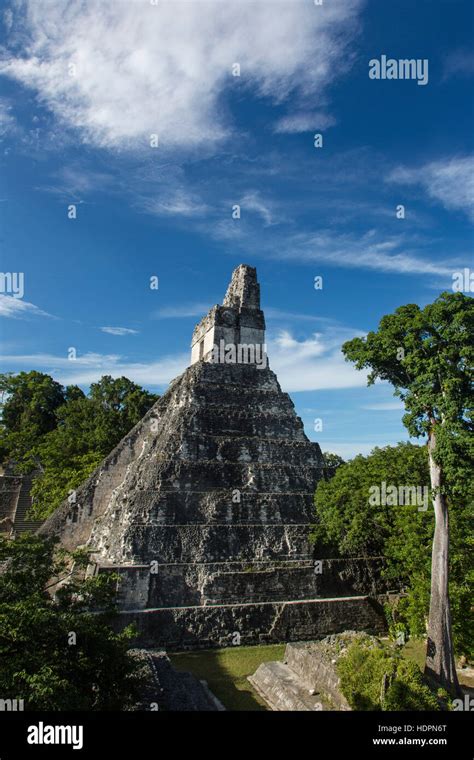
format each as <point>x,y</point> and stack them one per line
<point>204,509</point>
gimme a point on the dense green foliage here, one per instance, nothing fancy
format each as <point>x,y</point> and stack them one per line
<point>377,678</point>
<point>332,462</point>
<point>56,654</point>
<point>64,432</point>
<point>352,526</point>
<point>29,401</point>
<point>428,356</point>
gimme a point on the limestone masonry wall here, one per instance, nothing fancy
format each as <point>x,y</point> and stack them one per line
<point>270,622</point>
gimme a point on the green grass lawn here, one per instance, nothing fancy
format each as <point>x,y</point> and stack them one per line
<point>415,650</point>
<point>226,671</point>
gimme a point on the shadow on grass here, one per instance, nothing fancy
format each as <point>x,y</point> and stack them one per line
<point>226,671</point>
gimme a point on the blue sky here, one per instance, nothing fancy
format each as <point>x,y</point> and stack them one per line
<point>84,85</point>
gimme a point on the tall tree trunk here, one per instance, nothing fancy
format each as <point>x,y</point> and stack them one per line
<point>440,665</point>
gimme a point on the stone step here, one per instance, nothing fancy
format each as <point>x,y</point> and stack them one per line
<point>240,375</point>
<point>207,583</point>
<point>23,523</point>
<point>260,585</point>
<point>246,422</point>
<point>247,449</point>
<point>192,585</point>
<point>251,623</point>
<point>210,543</point>
<point>201,583</point>
<point>281,689</point>
<point>182,474</point>
<point>226,395</point>
<point>220,506</point>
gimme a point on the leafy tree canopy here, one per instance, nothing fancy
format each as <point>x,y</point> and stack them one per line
<point>64,432</point>
<point>428,356</point>
<point>332,462</point>
<point>55,653</point>
<point>351,525</point>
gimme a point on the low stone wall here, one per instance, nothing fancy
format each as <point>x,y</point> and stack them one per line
<point>219,626</point>
<point>316,671</point>
<point>308,678</point>
<point>192,584</point>
<point>282,690</point>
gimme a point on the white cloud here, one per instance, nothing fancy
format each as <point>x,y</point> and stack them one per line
<point>119,330</point>
<point>89,367</point>
<point>176,203</point>
<point>181,311</point>
<point>369,251</point>
<point>304,122</point>
<point>16,308</point>
<point>314,363</point>
<point>142,69</point>
<point>7,120</point>
<point>76,181</point>
<point>387,406</point>
<point>252,201</point>
<point>449,181</point>
<point>301,365</point>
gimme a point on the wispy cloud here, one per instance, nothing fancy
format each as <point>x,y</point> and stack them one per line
<point>177,203</point>
<point>387,406</point>
<point>304,121</point>
<point>252,201</point>
<point>119,331</point>
<point>7,120</point>
<point>449,181</point>
<point>160,64</point>
<point>89,367</point>
<point>76,181</point>
<point>16,308</point>
<point>368,251</point>
<point>280,314</point>
<point>181,311</point>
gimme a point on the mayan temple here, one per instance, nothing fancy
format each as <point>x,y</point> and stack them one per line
<point>204,509</point>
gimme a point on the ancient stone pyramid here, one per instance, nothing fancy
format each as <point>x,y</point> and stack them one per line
<point>205,507</point>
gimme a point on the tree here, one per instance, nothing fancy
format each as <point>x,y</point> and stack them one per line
<point>353,524</point>
<point>428,356</point>
<point>350,523</point>
<point>59,652</point>
<point>88,428</point>
<point>29,401</point>
<point>332,462</point>
<point>64,432</point>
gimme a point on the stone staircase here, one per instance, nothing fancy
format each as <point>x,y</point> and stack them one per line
<point>23,522</point>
